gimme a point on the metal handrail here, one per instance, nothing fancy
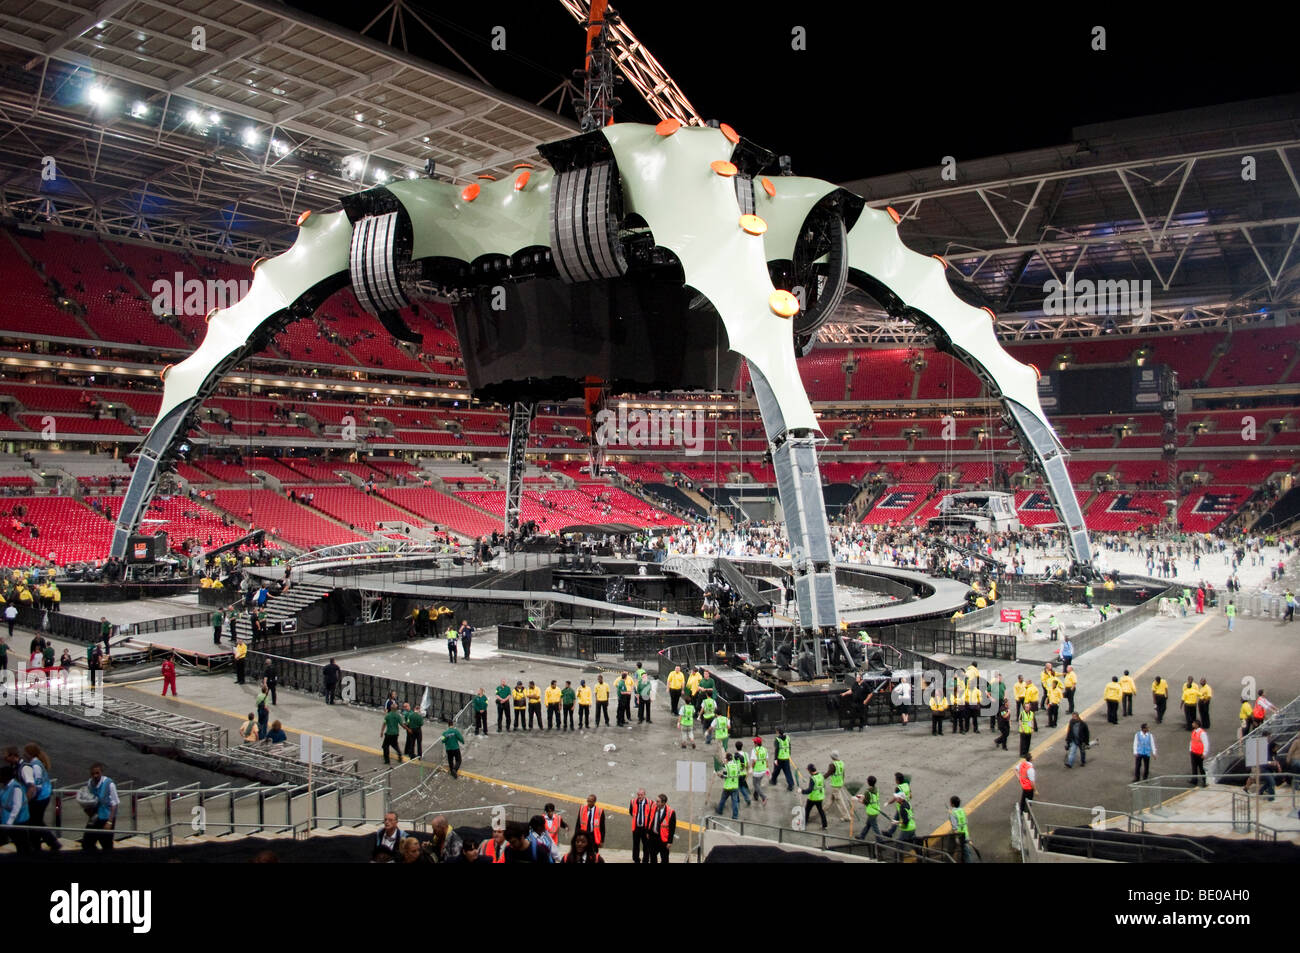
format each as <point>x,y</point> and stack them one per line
<point>899,852</point>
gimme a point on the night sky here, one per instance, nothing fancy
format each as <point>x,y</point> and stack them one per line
<point>881,88</point>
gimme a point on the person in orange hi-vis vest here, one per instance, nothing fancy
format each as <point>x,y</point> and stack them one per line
<point>591,820</point>
<point>1198,748</point>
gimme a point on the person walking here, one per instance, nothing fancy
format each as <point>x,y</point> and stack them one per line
<point>169,675</point>
<point>1191,701</point>
<point>263,713</point>
<point>816,791</point>
<point>567,697</point>
<point>744,773</point>
<point>721,728</point>
<point>708,711</point>
<point>534,705</point>
<point>957,819</point>
<point>270,679</point>
<point>1004,725</point>
<point>34,773</point>
<point>1067,656</point>
<point>1028,781</point>
<point>1144,749</point>
<point>602,700</point>
<point>103,813</point>
<point>1069,685</point>
<point>783,759</point>
<point>389,732</point>
<point>14,812</point>
<point>1026,732</point>
<point>730,775</point>
<point>1077,737</point>
<point>584,705</point>
<point>686,722</point>
<point>675,682</point>
<point>452,739</point>
<point>1018,693</point>
<point>331,674</point>
<point>1128,692</point>
<point>554,823</point>
<point>1160,698</point>
<point>451,644</point>
<point>641,810</point>
<point>1055,693</point>
<point>1198,748</point>
<point>870,799</point>
<point>1112,695</point>
<point>1203,695</point>
<point>553,707</point>
<point>663,828</point>
<point>839,797</point>
<point>758,769</point>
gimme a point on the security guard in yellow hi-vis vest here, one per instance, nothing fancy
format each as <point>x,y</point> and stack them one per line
<point>1160,697</point>
<point>1112,694</point>
<point>1018,693</point>
<point>938,705</point>
<point>584,705</point>
<point>519,699</point>
<point>675,682</point>
<point>1128,691</point>
<point>1026,731</point>
<point>839,797</point>
<point>1031,701</point>
<point>1191,699</point>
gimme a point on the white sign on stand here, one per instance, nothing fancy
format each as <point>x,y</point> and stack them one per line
<point>1256,752</point>
<point>311,749</point>
<point>692,776</point>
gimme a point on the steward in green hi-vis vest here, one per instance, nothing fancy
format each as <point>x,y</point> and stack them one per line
<point>837,777</point>
<point>688,715</point>
<point>818,787</point>
<point>782,749</point>
<point>722,728</point>
<point>959,822</point>
<point>732,780</point>
<point>760,759</point>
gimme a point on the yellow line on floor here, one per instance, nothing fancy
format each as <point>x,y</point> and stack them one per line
<point>1003,779</point>
<point>549,795</point>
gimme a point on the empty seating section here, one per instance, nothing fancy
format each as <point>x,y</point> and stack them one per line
<point>223,472</point>
<point>1256,358</point>
<point>442,510</point>
<point>65,424</point>
<point>10,555</point>
<point>356,507</point>
<point>295,524</point>
<point>641,472</point>
<point>1117,511</point>
<point>69,531</point>
<point>114,309</point>
<point>823,373</point>
<point>896,504</point>
<point>974,474</point>
<point>183,519</point>
<point>919,472</point>
<point>1201,511</point>
<point>1082,471</point>
<point>29,303</point>
<point>1041,514</point>
<point>272,468</point>
<point>884,374</point>
<point>1129,472</point>
<point>946,377</point>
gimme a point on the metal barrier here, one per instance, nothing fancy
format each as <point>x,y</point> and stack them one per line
<point>927,850</point>
<point>335,638</point>
<point>947,641</point>
<point>1120,623</point>
<point>1076,831</point>
<point>366,690</point>
<point>1282,725</point>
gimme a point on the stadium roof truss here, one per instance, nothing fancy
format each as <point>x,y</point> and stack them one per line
<point>212,125</point>
<point>1211,220</point>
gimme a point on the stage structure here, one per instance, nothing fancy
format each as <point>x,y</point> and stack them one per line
<point>647,257</point>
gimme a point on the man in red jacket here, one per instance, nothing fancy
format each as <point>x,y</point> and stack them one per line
<point>169,675</point>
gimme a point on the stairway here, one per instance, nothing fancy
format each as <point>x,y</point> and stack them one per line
<point>724,521</point>
<point>287,605</point>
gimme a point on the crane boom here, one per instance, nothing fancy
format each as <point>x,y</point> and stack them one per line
<point>636,63</point>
